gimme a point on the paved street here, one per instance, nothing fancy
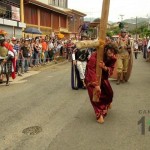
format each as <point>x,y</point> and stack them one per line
<point>66,118</point>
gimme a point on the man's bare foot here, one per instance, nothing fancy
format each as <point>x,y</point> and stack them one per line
<point>101,119</point>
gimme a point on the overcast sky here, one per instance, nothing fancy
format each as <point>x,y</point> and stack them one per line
<point>127,8</point>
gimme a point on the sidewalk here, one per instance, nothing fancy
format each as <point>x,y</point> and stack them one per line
<point>33,71</point>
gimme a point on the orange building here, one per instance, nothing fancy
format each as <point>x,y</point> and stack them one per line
<point>51,19</point>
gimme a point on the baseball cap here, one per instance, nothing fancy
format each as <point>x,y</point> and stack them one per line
<point>13,39</point>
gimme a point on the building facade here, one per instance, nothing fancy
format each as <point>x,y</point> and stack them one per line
<point>45,17</point>
<point>51,19</point>
<point>15,15</point>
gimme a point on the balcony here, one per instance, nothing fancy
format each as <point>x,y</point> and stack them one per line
<point>5,14</point>
<point>64,30</point>
<point>10,18</point>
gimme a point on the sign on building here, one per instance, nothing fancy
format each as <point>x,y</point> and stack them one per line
<point>15,13</point>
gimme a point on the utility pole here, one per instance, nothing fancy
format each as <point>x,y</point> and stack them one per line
<point>148,26</point>
<point>136,28</point>
<point>148,23</point>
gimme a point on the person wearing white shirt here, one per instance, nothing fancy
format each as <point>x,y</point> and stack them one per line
<point>135,49</point>
<point>51,50</point>
<point>148,51</point>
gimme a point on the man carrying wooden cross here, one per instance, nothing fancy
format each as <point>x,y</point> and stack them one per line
<point>101,96</point>
<point>99,67</point>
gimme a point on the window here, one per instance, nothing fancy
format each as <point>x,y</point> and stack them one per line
<point>51,2</point>
<point>31,15</point>
<point>60,3</point>
<point>45,18</point>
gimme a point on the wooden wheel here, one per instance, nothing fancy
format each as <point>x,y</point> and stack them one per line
<point>74,78</point>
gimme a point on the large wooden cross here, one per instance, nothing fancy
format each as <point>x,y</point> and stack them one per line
<point>100,43</point>
<point>102,37</point>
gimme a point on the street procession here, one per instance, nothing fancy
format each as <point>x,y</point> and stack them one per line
<point>74,78</point>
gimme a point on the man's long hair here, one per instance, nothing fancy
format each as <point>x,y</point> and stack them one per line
<point>112,47</point>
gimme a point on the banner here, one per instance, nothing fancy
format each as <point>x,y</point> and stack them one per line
<point>15,13</point>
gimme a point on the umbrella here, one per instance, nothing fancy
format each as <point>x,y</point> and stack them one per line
<point>32,30</point>
<point>60,36</point>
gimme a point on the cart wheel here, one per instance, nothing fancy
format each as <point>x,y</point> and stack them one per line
<point>74,78</point>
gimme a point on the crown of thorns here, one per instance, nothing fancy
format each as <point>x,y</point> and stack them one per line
<point>111,46</point>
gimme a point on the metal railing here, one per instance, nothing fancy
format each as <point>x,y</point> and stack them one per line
<point>5,14</point>
<point>10,3</point>
<point>5,9</point>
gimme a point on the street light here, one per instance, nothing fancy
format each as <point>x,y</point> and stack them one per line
<point>135,25</point>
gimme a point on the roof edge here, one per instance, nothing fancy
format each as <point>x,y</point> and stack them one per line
<point>49,7</point>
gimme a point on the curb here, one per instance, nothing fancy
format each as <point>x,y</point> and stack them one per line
<point>33,71</point>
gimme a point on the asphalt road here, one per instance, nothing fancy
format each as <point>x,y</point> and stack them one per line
<point>66,118</point>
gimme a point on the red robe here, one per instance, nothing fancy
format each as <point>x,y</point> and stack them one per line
<point>10,48</point>
<point>91,81</point>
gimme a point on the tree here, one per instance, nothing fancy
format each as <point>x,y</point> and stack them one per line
<point>109,33</point>
<point>141,31</point>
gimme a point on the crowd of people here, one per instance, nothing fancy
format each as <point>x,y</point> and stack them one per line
<point>34,52</point>
<point>142,45</point>
<point>31,52</point>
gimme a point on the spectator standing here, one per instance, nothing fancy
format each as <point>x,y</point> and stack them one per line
<point>148,51</point>
<point>40,51</point>
<point>136,50</point>
<point>16,47</point>
<point>45,50</point>
<point>51,49</point>
<point>145,48</point>
<point>25,50</point>
<point>32,43</point>
<point>36,53</point>
<point>69,49</point>
<point>60,46</point>
<point>140,45</point>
